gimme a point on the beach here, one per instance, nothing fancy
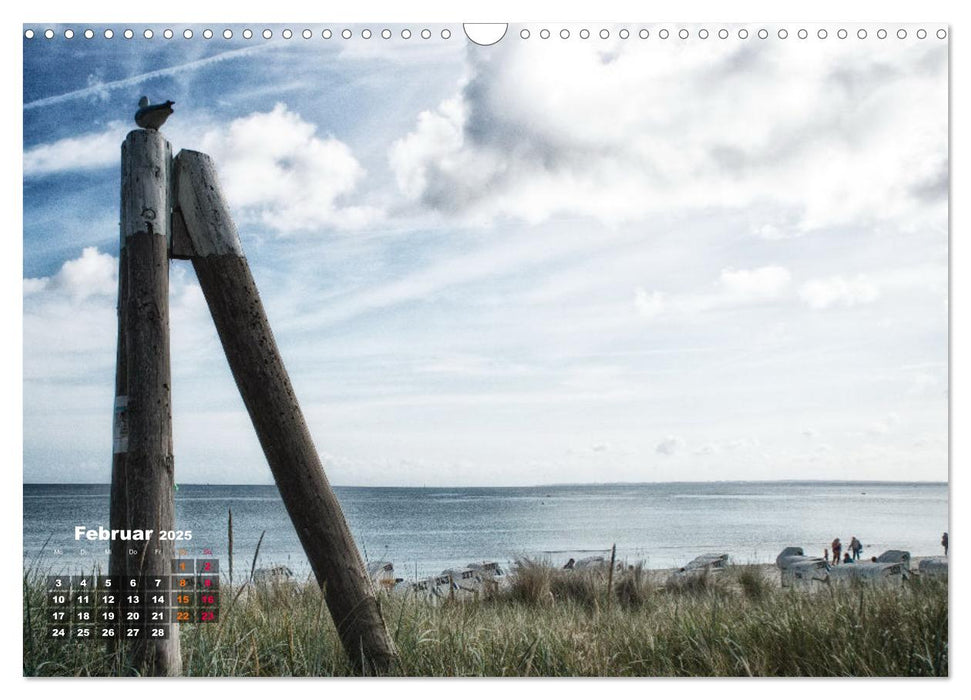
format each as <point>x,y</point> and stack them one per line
<point>551,623</point>
<point>652,616</point>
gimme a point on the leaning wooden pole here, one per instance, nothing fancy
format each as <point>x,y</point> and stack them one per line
<point>143,486</point>
<point>210,240</point>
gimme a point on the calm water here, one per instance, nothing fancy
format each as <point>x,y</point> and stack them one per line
<point>429,529</point>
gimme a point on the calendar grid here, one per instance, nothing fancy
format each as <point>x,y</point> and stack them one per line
<point>110,607</point>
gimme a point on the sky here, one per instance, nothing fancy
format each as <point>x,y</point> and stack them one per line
<point>561,260</point>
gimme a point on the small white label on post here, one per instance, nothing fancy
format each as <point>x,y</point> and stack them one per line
<point>120,433</point>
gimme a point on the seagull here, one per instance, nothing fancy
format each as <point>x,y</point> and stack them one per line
<point>152,116</point>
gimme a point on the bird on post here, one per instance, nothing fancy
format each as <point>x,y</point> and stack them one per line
<point>152,116</point>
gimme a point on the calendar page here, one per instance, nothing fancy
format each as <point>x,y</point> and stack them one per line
<point>548,349</point>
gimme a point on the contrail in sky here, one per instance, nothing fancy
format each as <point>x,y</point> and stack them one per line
<point>137,79</point>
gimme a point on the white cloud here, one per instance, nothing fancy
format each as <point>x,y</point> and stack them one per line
<point>92,274</point>
<point>759,283</point>
<point>839,291</point>
<point>32,285</point>
<point>273,166</point>
<point>70,324</point>
<point>670,445</point>
<point>616,130</point>
<point>93,150</point>
<point>437,135</point>
<point>734,287</point>
<point>276,169</point>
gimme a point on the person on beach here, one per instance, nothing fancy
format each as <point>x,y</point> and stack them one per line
<point>856,547</point>
<point>837,550</point>
<point>846,559</point>
<point>944,543</point>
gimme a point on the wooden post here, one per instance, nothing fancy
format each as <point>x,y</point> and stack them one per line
<point>143,479</point>
<point>207,235</point>
<point>118,500</point>
<point>610,574</point>
<point>118,515</point>
<point>230,551</point>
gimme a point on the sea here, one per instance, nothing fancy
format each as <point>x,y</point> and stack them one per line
<point>423,531</point>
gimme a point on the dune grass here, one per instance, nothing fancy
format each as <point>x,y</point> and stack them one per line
<point>555,623</point>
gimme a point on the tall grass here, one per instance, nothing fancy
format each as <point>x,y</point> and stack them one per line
<point>753,581</point>
<point>555,623</point>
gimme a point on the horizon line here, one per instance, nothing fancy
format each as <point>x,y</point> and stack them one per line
<point>539,485</point>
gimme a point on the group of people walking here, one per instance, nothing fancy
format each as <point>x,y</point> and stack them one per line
<point>851,555</point>
<point>855,548</point>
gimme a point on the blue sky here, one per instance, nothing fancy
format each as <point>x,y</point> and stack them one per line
<point>543,261</point>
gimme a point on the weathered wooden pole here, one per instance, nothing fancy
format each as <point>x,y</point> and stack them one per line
<point>143,478</point>
<point>209,238</point>
<point>118,515</point>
